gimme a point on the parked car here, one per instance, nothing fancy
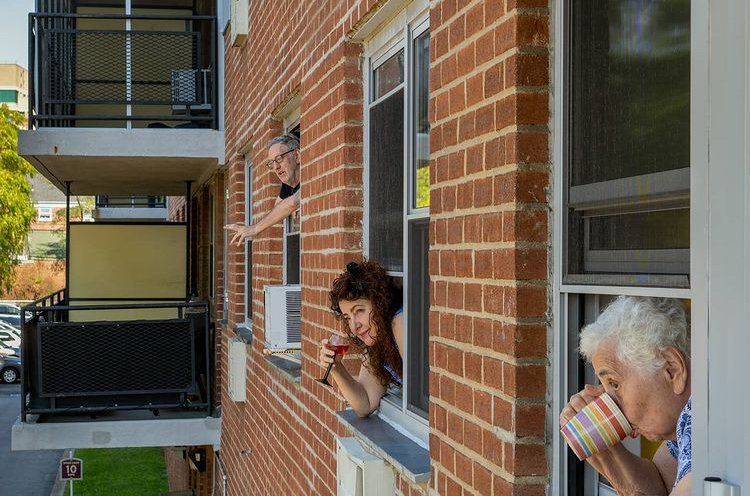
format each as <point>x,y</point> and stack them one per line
<point>4,326</point>
<point>9,339</point>
<point>10,309</point>
<point>14,320</point>
<point>10,369</point>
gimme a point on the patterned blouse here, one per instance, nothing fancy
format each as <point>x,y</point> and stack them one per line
<point>682,448</point>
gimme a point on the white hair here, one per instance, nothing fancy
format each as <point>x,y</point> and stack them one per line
<point>640,328</point>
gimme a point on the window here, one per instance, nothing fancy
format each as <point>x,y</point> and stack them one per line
<point>622,223</point>
<point>292,223</point>
<point>248,241</point>
<point>628,156</point>
<point>398,194</point>
<point>44,214</point>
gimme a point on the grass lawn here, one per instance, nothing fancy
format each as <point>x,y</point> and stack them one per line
<point>121,472</point>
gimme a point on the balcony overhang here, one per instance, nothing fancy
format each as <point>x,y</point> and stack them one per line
<point>123,161</point>
<point>140,431</point>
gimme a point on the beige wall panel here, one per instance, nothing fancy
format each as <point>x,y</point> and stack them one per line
<point>118,315</point>
<point>127,261</point>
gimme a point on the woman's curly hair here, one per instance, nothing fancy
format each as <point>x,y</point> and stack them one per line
<point>368,280</point>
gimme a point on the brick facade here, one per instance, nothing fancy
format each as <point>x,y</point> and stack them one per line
<point>489,169</point>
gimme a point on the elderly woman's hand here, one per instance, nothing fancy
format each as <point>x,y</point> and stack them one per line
<point>326,356</point>
<point>578,401</point>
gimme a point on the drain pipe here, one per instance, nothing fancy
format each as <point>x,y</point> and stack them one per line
<point>224,476</point>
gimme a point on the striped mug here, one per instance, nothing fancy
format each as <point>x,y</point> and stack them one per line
<point>599,425</point>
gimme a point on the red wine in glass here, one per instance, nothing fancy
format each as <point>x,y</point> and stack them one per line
<point>340,345</point>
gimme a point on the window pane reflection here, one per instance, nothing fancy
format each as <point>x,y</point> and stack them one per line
<point>421,177</point>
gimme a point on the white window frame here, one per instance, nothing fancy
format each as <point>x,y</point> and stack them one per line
<point>565,356</point>
<point>248,246</point>
<point>397,35</point>
<point>291,120</point>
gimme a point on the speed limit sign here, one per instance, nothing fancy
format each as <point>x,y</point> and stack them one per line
<point>71,469</point>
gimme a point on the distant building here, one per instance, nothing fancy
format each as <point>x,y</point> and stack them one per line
<point>14,86</point>
<point>46,241</point>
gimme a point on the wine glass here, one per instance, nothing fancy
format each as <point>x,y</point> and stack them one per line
<point>340,345</point>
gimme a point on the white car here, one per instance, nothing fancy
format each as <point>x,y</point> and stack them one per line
<point>10,309</point>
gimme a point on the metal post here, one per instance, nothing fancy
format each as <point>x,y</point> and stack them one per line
<point>128,63</point>
<point>32,72</point>
<point>67,234</point>
<point>71,480</point>
<point>188,245</point>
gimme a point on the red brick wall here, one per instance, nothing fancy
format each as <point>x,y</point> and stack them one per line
<point>488,257</point>
<point>489,171</point>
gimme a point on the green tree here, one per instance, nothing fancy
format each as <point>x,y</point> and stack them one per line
<point>16,208</point>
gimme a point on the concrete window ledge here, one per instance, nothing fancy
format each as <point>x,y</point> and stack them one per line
<point>407,457</point>
<point>289,368</point>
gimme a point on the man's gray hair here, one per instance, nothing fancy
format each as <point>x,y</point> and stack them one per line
<point>290,141</point>
<point>640,329</point>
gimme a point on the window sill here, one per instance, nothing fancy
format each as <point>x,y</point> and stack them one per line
<point>288,368</point>
<point>407,457</point>
<point>244,332</point>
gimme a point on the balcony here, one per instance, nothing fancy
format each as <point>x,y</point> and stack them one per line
<point>92,381</point>
<point>123,104</point>
<point>118,358</point>
<point>114,208</point>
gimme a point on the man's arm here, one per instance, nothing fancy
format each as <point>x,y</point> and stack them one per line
<point>281,209</point>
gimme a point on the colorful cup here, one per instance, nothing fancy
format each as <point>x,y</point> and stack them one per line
<point>599,425</point>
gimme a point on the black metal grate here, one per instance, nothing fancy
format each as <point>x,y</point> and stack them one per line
<point>118,67</point>
<point>109,357</point>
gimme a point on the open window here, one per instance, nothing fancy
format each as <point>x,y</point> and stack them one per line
<point>628,156</point>
<point>397,196</point>
<point>622,223</point>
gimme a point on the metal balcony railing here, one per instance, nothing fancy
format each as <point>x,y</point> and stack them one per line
<point>131,201</point>
<point>91,365</point>
<point>95,70</point>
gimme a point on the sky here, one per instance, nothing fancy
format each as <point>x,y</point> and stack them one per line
<point>14,28</point>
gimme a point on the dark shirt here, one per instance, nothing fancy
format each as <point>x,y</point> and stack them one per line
<point>286,191</point>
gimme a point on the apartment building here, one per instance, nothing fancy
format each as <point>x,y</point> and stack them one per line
<point>515,164</point>
<point>14,90</point>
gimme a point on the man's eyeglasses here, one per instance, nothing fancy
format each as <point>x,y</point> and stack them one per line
<point>271,164</point>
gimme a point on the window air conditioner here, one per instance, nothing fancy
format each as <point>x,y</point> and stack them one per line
<point>239,22</point>
<point>190,89</point>
<point>237,368</point>
<point>359,473</point>
<point>282,312</point>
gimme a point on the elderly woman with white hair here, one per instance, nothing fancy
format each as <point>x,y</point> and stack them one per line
<point>640,350</point>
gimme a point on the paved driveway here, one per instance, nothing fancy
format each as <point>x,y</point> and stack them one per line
<point>22,473</point>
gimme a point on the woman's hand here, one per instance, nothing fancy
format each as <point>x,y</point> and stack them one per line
<point>326,356</point>
<point>578,401</point>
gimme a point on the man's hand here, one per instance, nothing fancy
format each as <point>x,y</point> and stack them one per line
<point>241,232</point>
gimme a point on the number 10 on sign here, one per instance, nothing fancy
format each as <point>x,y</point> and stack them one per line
<point>71,469</point>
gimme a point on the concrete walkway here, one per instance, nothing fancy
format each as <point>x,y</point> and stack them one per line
<point>23,473</point>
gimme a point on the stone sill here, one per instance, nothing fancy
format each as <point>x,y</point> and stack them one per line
<point>407,457</point>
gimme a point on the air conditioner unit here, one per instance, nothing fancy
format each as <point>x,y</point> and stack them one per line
<point>239,22</point>
<point>237,369</point>
<point>360,473</point>
<point>190,89</point>
<point>282,312</point>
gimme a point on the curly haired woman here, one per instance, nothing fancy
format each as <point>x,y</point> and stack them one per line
<point>368,301</point>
